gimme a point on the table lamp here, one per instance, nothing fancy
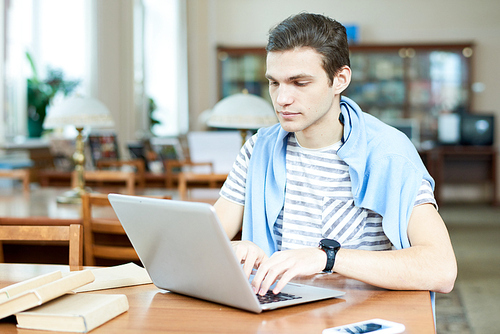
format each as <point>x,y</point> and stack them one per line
<point>242,111</point>
<point>80,112</point>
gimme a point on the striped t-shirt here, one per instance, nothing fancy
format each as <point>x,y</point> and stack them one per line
<point>318,200</point>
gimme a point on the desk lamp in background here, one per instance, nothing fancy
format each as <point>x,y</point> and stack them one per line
<point>242,111</point>
<point>80,112</point>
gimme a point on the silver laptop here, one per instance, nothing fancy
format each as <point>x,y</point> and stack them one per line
<point>185,250</point>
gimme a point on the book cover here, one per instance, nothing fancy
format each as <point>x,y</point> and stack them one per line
<point>44,293</point>
<point>74,313</point>
<point>33,283</point>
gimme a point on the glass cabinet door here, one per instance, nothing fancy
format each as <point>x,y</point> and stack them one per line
<point>417,82</point>
<point>414,83</point>
<point>243,71</point>
<point>378,83</point>
<point>438,82</point>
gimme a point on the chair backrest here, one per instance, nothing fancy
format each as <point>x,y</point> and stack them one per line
<point>108,176</point>
<point>189,181</point>
<point>22,174</point>
<point>71,233</point>
<point>173,168</point>
<point>137,164</point>
<point>104,238</point>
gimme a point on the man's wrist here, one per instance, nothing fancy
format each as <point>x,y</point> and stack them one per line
<point>323,259</point>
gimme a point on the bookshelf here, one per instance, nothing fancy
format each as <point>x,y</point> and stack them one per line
<point>414,81</point>
<point>242,68</point>
<point>390,81</point>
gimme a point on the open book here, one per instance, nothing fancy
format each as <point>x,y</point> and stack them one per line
<point>74,313</point>
<point>128,274</point>
<point>30,293</point>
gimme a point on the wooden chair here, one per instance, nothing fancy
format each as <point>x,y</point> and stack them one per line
<point>138,165</point>
<point>109,176</point>
<point>190,181</point>
<point>71,233</point>
<point>104,238</point>
<point>173,169</point>
<point>22,174</point>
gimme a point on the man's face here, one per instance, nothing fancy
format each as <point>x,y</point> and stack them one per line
<point>302,95</point>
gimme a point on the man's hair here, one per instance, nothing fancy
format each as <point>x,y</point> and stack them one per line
<point>325,35</point>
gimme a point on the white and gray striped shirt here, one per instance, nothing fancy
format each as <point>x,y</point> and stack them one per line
<point>318,200</point>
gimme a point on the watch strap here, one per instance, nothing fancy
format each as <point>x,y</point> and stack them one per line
<point>330,260</point>
<point>330,247</point>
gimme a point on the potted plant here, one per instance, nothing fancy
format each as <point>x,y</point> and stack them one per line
<point>40,94</point>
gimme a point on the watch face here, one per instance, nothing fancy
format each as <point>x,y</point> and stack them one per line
<point>330,243</point>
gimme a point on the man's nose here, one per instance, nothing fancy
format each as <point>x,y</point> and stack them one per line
<point>284,96</point>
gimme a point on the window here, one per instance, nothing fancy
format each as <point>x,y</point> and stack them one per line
<point>55,35</point>
<point>165,62</point>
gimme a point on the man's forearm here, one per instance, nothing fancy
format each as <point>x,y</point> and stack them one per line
<point>230,215</point>
<point>414,268</point>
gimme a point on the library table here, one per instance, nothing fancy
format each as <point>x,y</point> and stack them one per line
<point>39,206</point>
<point>156,311</point>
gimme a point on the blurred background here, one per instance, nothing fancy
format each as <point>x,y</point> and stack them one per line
<point>159,68</point>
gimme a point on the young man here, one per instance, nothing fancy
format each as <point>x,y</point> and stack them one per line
<point>330,187</point>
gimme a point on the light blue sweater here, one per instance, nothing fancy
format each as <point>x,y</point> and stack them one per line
<point>385,169</point>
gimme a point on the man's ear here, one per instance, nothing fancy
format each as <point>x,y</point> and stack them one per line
<point>342,80</point>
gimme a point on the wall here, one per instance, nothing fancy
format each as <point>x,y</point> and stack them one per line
<point>246,23</point>
<point>201,57</point>
<point>112,75</point>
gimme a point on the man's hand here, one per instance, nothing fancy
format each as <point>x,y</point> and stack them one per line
<point>249,254</point>
<point>285,265</point>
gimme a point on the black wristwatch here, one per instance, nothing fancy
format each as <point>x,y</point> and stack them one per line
<point>331,247</point>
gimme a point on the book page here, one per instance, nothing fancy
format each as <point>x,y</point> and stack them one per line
<point>117,276</point>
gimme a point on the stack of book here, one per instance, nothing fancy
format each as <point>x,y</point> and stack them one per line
<point>48,302</point>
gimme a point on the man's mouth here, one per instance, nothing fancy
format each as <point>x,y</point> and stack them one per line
<point>288,113</point>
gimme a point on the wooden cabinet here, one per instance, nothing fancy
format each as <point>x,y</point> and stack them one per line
<point>417,82</point>
<point>242,69</point>
<point>409,82</point>
<point>392,82</point>
<point>462,165</point>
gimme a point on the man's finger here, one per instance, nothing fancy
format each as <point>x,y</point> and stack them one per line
<point>285,278</point>
<point>249,263</point>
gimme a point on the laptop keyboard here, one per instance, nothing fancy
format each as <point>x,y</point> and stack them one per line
<point>270,297</point>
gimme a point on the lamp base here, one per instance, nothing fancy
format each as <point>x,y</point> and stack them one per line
<point>243,134</point>
<point>73,196</point>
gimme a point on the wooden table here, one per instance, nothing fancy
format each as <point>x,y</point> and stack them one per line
<point>39,206</point>
<point>156,311</point>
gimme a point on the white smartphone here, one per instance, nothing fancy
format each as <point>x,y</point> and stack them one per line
<point>375,326</point>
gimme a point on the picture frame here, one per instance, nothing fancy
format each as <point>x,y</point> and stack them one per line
<point>103,146</point>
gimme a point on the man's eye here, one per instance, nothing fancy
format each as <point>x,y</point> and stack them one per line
<point>273,83</point>
<point>300,83</point>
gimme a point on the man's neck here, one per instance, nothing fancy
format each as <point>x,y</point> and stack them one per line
<point>322,135</point>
